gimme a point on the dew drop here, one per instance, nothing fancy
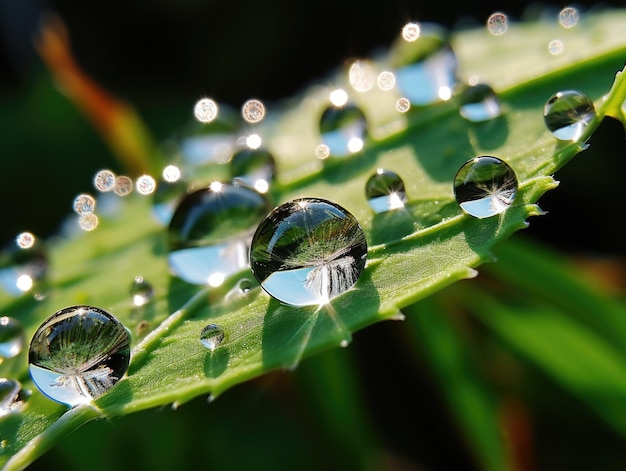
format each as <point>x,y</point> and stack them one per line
<point>322,151</point>
<point>166,198</point>
<point>123,185</point>
<point>426,68</point>
<point>568,17</point>
<point>254,167</point>
<point>485,186</point>
<point>212,336</point>
<point>145,184</point>
<point>386,80</point>
<point>361,75</point>
<point>11,337</point>
<point>555,47</point>
<point>205,110</point>
<point>343,129</point>
<point>567,114</point>
<point>479,103</point>
<point>88,222</point>
<point>104,181</point>
<point>411,31</point>
<point>210,231</point>
<point>78,354</point>
<point>9,395</point>
<point>497,23</point>
<point>22,268</point>
<point>385,191</point>
<point>141,291</point>
<point>84,204</point>
<point>171,173</point>
<point>253,111</point>
<point>403,105</point>
<point>25,240</point>
<point>308,251</point>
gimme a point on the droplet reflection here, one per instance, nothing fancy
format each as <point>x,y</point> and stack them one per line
<point>567,114</point>
<point>385,191</point>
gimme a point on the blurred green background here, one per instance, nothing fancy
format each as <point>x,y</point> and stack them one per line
<point>384,407</point>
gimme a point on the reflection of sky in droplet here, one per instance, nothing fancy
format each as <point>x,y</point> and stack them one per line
<point>253,111</point>
<point>567,114</point>
<point>171,173</point>
<point>212,336</point>
<point>205,110</point>
<point>386,80</point>
<point>141,291</point>
<point>322,151</point>
<point>568,17</point>
<point>429,80</point>
<point>9,397</point>
<point>209,265</point>
<point>25,240</point>
<point>84,203</point>
<point>497,23</point>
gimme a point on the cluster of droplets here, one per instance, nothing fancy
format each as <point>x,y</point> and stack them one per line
<point>302,252</point>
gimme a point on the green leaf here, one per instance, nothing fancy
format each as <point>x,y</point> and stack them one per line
<point>412,253</point>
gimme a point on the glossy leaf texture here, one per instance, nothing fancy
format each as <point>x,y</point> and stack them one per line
<point>413,252</point>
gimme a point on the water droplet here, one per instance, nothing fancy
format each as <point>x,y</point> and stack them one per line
<point>123,185</point>
<point>210,231</point>
<point>322,151</point>
<point>555,47</point>
<point>88,221</point>
<point>22,268</point>
<point>254,167</point>
<point>497,23</point>
<point>146,185</point>
<point>479,103</point>
<point>568,17</point>
<point>338,97</point>
<point>171,173</point>
<point>485,186</point>
<point>403,105</point>
<point>212,336</point>
<point>84,204</point>
<point>11,337</point>
<point>361,75</point>
<point>308,251</point>
<point>385,191</point>
<point>343,129</point>
<point>78,354</point>
<point>386,80</point>
<point>425,68</point>
<point>25,240</point>
<point>411,31</point>
<point>166,198</point>
<point>567,114</point>
<point>141,291</point>
<point>253,141</point>
<point>104,180</point>
<point>205,110</point>
<point>253,111</point>
<point>9,395</point>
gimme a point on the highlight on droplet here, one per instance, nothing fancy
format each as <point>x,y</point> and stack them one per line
<point>498,23</point>
<point>411,31</point>
<point>386,80</point>
<point>25,240</point>
<point>253,111</point>
<point>146,185</point>
<point>205,110</point>
<point>338,97</point>
<point>568,17</point>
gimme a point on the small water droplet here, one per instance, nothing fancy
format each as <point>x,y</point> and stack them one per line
<point>426,68</point>
<point>403,104</point>
<point>141,291</point>
<point>385,191</point>
<point>171,173</point>
<point>104,180</point>
<point>322,151</point>
<point>479,103</point>
<point>343,129</point>
<point>308,251</point>
<point>555,47</point>
<point>205,110</point>
<point>567,114</point>
<point>25,240</point>
<point>210,231</point>
<point>212,336</point>
<point>485,186</point>
<point>568,17</point>
<point>11,337</point>
<point>411,31</point>
<point>361,75</point>
<point>145,185</point>
<point>22,268</point>
<point>88,221</point>
<point>386,80</point>
<point>166,198</point>
<point>123,185</point>
<point>9,395</point>
<point>253,111</point>
<point>254,167</point>
<point>498,23</point>
<point>84,204</point>
<point>78,354</point>
<point>245,285</point>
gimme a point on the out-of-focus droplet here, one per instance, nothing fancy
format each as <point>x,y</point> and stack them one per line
<point>84,204</point>
<point>104,181</point>
<point>343,129</point>
<point>253,111</point>
<point>9,396</point>
<point>210,231</point>
<point>205,110</point>
<point>141,291</point>
<point>485,186</point>
<point>308,251</point>
<point>171,173</point>
<point>11,337</point>
<point>145,185</point>
<point>25,240</point>
<point>78,354</point>
<point>254,167</point>
<point>123,185</point>
<point>386,80</point>
<point>555,47</point>
<point>21,268</point>
<point>361,75</point>
<point>166,198</point>
<point>480,103</point>
<point>385,191</point>
<point>88,222</point>
<point>498,23</point>
<point>253,141</point>
<point>568,17</point>
<point>212,336</point>
<point>567,114</point>
<point>425,68</point>
<point>322,151</point>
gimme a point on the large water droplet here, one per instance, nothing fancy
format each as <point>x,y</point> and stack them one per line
<point>567,113</point>
<point>255,168</point>
<point>22,268</point>
<point>485,186</point>
<point>78,354</point>
<point>210,232</point>
<point>307,251</point>
<point>385,191</point>
<point>425,67</point>
<point>479,103</point>
<point>11,337</point>
<point>9,395</point>
<point>141,291</point>
<point>343,129</point>
<point>212,336</point>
